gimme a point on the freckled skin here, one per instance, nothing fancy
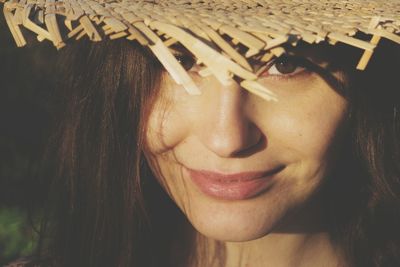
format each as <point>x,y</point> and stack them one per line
<point>228,130</point>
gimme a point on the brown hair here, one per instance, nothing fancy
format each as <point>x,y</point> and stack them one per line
<point>106,209</point>
<point>95,211</point>
<point>364,199</point>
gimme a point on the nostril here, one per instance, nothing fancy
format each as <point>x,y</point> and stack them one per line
<point>256,145</point>
<point>236,142</point>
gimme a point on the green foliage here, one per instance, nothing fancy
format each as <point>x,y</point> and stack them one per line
<point>16,235</point>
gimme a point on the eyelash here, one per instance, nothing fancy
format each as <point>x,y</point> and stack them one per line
<point>299,62</point>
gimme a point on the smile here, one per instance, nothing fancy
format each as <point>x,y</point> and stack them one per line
<point>237,186</point>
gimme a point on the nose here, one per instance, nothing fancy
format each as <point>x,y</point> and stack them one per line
<point>228,128</point>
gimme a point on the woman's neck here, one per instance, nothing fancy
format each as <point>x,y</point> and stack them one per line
<point>284,250</point>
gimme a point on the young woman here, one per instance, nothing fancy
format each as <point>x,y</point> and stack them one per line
<point>149,175</point>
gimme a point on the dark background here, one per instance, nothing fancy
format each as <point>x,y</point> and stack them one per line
<point>26,86</point>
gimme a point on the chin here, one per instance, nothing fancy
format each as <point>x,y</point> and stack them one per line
<point>240,230</point>
<point>234,222</point>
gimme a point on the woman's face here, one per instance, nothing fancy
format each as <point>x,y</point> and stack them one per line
<point>238,165</point>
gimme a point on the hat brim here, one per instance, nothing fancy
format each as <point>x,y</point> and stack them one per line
<point>212,31</point>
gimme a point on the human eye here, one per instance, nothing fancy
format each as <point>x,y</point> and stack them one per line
<point>285,67</point>
<point>188,62</point>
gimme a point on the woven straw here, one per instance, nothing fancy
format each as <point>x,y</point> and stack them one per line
<point>215,32</point>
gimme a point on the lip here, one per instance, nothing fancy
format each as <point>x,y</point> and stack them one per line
<point>236,186</point>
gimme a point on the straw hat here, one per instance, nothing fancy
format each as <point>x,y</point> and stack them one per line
<point>223,35</point>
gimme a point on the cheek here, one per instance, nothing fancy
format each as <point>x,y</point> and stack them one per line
<point>170,177</point>
<point>168,124</point>
<point>164,130</point>
<point>305,126</point>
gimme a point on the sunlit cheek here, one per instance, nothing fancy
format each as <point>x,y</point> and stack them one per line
<point>167,125</point>
<point>306,118</point>
<point>165,133</point>
<point>308,136</point>
<point>323,125</point>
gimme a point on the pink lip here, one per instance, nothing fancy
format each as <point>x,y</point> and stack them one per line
<point>237,186</point>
